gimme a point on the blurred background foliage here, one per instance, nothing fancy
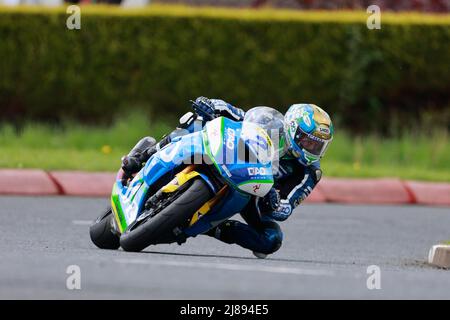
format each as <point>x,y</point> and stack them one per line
<point>71,145</point>
<point>156,59</point>
<point>81,99</point>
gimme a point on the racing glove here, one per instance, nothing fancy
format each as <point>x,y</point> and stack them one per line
<point>225,109</point>
<point>283,211</point>
<point>204,107</point>
<point>270,202</point>
<point>212,108</point>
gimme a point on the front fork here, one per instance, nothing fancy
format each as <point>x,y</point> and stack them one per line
<point>180,179</point>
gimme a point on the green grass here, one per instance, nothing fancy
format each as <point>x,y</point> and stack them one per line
<point>76,147</point>
<point>411,156</point>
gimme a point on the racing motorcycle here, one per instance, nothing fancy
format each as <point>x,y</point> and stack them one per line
<point>194,183</point>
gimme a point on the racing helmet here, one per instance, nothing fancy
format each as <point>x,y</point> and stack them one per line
<point>309,131</point>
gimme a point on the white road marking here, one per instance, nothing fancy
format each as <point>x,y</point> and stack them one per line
<point>229,266</point>
<point>82,222</point>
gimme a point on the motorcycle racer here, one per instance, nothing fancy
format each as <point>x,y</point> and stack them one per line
<point>308,132</point>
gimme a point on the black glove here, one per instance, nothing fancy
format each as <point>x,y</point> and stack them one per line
<point>270,202</point>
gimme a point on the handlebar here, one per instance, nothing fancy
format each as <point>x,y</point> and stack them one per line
<point>199,110</point>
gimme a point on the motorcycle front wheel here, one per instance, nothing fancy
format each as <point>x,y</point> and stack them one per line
<point>102,232</point>
<point>159,228</point>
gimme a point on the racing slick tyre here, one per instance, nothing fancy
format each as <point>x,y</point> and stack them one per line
<point>160,228</point>
<point>103,233</point>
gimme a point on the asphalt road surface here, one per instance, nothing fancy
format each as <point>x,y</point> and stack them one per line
<point>325,255</point>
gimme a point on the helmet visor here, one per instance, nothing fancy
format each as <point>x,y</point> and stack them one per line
<point>312,144</point>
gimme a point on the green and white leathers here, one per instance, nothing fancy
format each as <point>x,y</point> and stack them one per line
<point>309,131</point>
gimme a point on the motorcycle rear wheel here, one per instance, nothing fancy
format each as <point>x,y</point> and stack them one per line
<point>159,229</point>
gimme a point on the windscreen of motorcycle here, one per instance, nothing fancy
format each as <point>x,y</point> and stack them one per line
<point>263,132</point>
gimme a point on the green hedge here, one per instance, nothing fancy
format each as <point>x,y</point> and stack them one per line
<point>159,58</point>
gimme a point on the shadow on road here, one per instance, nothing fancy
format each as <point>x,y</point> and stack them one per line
<point>198,255</point>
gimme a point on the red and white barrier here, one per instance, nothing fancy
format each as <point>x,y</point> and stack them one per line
<point>339,190</point>
<point>376,191</point>
<point>91,184</point>
<point>429,193</point>
<point>26,182</point>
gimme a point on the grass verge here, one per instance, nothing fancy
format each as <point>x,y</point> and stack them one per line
<point>77,147</point>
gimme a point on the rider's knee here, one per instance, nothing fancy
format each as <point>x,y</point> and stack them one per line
<point>276,243</point>
<point>273,237</point>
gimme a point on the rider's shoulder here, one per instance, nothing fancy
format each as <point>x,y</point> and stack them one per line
<point>296,162</point>
<point>315,165</point>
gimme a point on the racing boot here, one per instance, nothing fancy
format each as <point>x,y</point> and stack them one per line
<point>262,241</point>
<point>218,233</point>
